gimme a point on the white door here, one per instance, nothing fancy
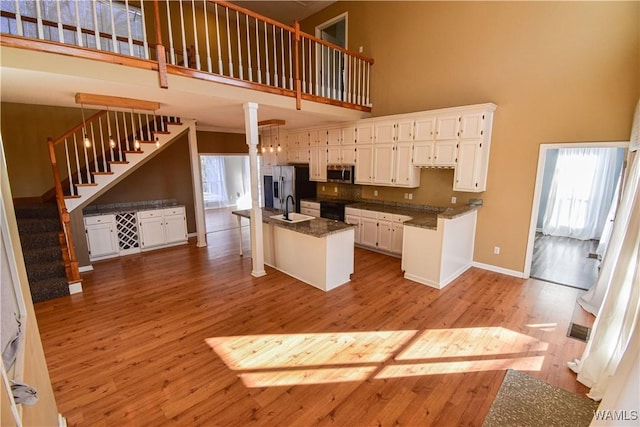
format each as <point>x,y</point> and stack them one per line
<point>102,240</point>
<point>368,232</point>
<point>384,159</point>
<point>152,232</point>
<point>364,164</point>
<point>175,228</point>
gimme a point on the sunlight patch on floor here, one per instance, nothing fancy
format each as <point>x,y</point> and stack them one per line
<point>317,358</point>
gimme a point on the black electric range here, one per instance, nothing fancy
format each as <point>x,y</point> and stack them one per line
<point>334,209</point>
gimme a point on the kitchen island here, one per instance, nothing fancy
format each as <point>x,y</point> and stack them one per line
<point>318,252</point>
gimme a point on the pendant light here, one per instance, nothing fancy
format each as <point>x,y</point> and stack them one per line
<point>136,137</point>
<point>87,141</point>
<point>112,142</point>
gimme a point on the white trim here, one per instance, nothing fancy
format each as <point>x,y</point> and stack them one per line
<point>537,192</point>
<point>85,268</point>
<point>500,270</point>
<point>62,421</point>
<point>75,288</point>
<point>191,235</point>
<point>342,17</point>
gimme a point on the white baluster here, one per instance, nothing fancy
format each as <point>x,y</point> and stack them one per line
<point>104,153</point>
<point>127,144</point>
<point>304,67</point>
<point>323,73</point>
<point>118,140</point>
<point>172,50</point>
<point>145,42</point>
<point>19,19</point>
<point>266,55</point>
<point>78,27</point>
<point>185,55</point>
<point>343,64</point>
<point>220,70</point>
<point>240,70</point>
<point>95,153</point>
<point>291,71</point>
<point>111,147</point>
<point>368,102</point>
<point>283,79</point>
<point>140,128</point>
<point>229,44</point>
<point>66,153</point>
<point>129,37</point>
<point>60,29</point>
<point>275,58</point>
<point>311,70</point>
<point>258,61</point>
<point>133,131</point>
<point>195,34</point>
<point>39,21</point>
<point>248,49</point>
<point>96,29</point>
<point>206,36</point>
<point>114,38</point>
<point>86,157</point>
<point>75,145</point>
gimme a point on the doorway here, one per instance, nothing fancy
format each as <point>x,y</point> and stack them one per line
<point>330,64</point>
<point>574,205</point>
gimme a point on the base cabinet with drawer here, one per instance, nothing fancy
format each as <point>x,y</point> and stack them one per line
<point>381,231</point>
<point>102,236</point>
<point>162,227</point>
<point>310,208</point>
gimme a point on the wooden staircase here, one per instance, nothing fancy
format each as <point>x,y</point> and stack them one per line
<point>93,168</point>
<point>102,180</point>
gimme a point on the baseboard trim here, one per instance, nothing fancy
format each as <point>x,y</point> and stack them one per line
<point>75,288</point>
<point>496,269</point>
<point>62,421</point>
<point>85,268</point>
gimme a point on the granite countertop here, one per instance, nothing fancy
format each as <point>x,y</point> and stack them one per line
<point>423,216</point>
<point>318,227</point>
<point>116,208</point>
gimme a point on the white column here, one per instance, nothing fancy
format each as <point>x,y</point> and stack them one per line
<point>198,197</point>
<point>251,131</point>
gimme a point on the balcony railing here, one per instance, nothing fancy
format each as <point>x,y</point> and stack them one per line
<point>212,40</point>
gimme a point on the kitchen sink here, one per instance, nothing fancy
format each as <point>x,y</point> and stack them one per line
<point>293,218</point>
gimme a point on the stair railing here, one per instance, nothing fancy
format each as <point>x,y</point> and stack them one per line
<point>201,39</point>
<point>89,149</point>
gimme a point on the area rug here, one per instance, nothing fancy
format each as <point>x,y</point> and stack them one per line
<point>526,401</point>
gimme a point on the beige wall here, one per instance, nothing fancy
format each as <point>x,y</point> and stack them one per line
<point>558,72</point>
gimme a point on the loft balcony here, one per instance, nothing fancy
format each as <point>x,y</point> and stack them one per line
<point>198,59</point>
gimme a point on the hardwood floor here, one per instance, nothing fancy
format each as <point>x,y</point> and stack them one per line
<point>186,336</point>
<point>565,261</point>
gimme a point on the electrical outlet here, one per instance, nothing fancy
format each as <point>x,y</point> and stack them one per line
<point>375,193</point>
<point>335,189</point>
<point>406,195</point>
<point>410,196</point>
<point>496,250</point>
<point>360,49</point>
<point>323,188</point>
<point>453,200</point>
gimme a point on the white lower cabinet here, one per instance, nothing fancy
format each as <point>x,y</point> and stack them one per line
<point>162,227</point>
<point>102,236</point>
<point>377,230</point>
<point>310,208</point>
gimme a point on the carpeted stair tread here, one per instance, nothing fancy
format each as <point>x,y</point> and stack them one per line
<point>38,240</point>
<point>46,289</point>
<point>39,210</point>
<point>42,254</point>
<point>46,270</point>
<point>39,228</point>
<point>38,225</point>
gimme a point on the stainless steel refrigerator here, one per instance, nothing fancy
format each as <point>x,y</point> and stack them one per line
<point>292,180</point>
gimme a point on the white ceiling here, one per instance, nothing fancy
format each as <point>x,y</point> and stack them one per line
<point>284,11</point>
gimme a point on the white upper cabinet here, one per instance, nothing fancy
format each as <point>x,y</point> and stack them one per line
<point>405,174</point>
<point>364,164</point>
<point>472,125</point>
<point>473,154</point>
<point>394,131</point>
<point>445,153</point>
<point>334,136</point>
<point>425,128</point>
<point>384,132</point>
<point>349,134</point>
<point>447,127</point>
<point>364,133</point>
<point>383,164</point>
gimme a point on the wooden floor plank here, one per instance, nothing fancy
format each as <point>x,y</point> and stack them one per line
<point>134,347</point>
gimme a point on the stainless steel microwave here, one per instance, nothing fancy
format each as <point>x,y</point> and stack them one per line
<point>340,173</point>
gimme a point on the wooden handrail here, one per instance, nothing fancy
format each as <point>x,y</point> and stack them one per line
<point>336,47</point>
<point>253,14</point>
<point>68,27</point>
<point>78,127</point>
<point>74,272</point>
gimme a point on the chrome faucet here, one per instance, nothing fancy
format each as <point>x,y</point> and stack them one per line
<point>286,206</point>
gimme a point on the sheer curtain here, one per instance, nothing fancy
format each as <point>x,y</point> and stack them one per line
<point>214,181</point>
<point>609,362</point>
<point>582,189</point>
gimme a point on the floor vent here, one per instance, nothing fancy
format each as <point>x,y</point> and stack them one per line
<point>579,332</point>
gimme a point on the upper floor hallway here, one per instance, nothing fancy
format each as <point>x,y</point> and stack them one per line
<point>199,59</point>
